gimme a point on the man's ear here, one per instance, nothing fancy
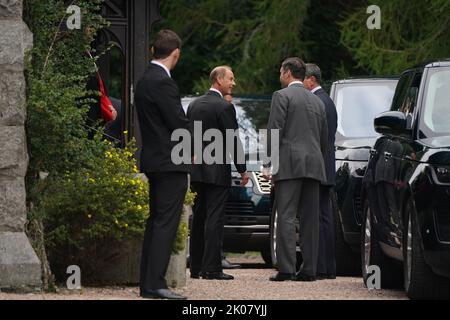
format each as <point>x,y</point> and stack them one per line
<point>219,80</point>
<point>176,53</point>
<point>288,73</point>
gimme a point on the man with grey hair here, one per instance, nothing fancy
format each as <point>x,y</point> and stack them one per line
<point>326,266</point>
<point>212,182</point>
<point>301,120</point>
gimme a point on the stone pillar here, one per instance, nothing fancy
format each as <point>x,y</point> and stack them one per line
<point>176,273</point>
<point>20,269</point>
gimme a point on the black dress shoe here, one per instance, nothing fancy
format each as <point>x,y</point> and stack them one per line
<point>228,265</point>
<point>161,294</point>
<point>216,276</point>
<point>304,277</point>
<point>325,276</point>
<point>195,275</point>
<point>282,277</point>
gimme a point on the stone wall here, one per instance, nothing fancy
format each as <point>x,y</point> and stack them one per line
<point>19,266</point>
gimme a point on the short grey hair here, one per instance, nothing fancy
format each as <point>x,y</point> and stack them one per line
<point>219,72</point>
<point>313,70</point>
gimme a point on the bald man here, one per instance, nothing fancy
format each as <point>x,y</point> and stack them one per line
<point>212,182</point>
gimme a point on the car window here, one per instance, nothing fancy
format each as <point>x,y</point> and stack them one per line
<point>358,104</point>
<point>436,110</point>
<point>252,115</point>
<point>410,102</point>
<point>401,92</point>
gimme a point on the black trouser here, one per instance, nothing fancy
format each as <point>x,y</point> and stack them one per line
<point>167,193</point>
<point>207,227</point>
<point>327,251</point>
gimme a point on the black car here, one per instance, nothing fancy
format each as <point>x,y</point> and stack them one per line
<point>357,102</point>
<point>406,229</point>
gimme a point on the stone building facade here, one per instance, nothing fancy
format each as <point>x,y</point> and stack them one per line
<point>20,269</point>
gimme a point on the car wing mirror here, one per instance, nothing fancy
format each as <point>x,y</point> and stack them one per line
<point>391,123</point>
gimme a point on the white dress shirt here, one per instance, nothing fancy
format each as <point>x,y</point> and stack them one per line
<point>316,89</point>
<point>295,82</point>
<point>162,66</point>
<point>215,90</point>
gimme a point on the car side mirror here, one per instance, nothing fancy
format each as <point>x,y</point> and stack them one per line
<point>391,122</point>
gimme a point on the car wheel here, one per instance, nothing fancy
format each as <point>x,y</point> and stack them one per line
<point>267,257</point>
<point>348,262</point>
<point>273,241</point>
<point>273,237</point>
<point>372,255</point>
<point>420,280</point>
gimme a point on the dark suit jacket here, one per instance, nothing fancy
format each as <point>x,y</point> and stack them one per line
<point>215,113</point>
<point>159,109</point>
<point>301,120</point>
<point>330,154</point>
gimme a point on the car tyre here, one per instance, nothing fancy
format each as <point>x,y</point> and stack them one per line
<point>372,255</point>
<point>273,237</point>
<point>348,262</point>
<point>420,280</point>
<point>267,257</point>
<point>273,241</point>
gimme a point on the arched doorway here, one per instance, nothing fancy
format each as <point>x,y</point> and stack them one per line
<point>131,22</point>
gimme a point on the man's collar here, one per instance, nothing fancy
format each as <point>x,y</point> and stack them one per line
<point>316,89</point>
<point>295,82</point>
<point>162,66</point>
<point>216,91</point>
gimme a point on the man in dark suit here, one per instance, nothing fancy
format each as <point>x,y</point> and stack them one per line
<point>326,266</point>
<point>212,180</point>
<point>301,120</point>
<point>160,113</point>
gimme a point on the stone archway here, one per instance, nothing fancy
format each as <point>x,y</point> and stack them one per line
<point>20,269</point>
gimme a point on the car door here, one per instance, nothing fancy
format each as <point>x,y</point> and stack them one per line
<point>399,162</point>
<point>387,170</point>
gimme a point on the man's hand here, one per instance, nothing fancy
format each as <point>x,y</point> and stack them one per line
<point>266,174</point>
<point>245,177</point>
<point>114,113</point>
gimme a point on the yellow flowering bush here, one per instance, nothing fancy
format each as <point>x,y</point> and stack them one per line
<point>107,199</point>
<point>97,208</point>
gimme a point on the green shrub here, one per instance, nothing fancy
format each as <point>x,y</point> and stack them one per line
<point>89,212</point>
<point>107,201</point>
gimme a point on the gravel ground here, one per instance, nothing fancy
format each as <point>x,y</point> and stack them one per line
<point>251,283</point>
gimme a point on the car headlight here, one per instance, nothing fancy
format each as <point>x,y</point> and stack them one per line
<point>442,173</point>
